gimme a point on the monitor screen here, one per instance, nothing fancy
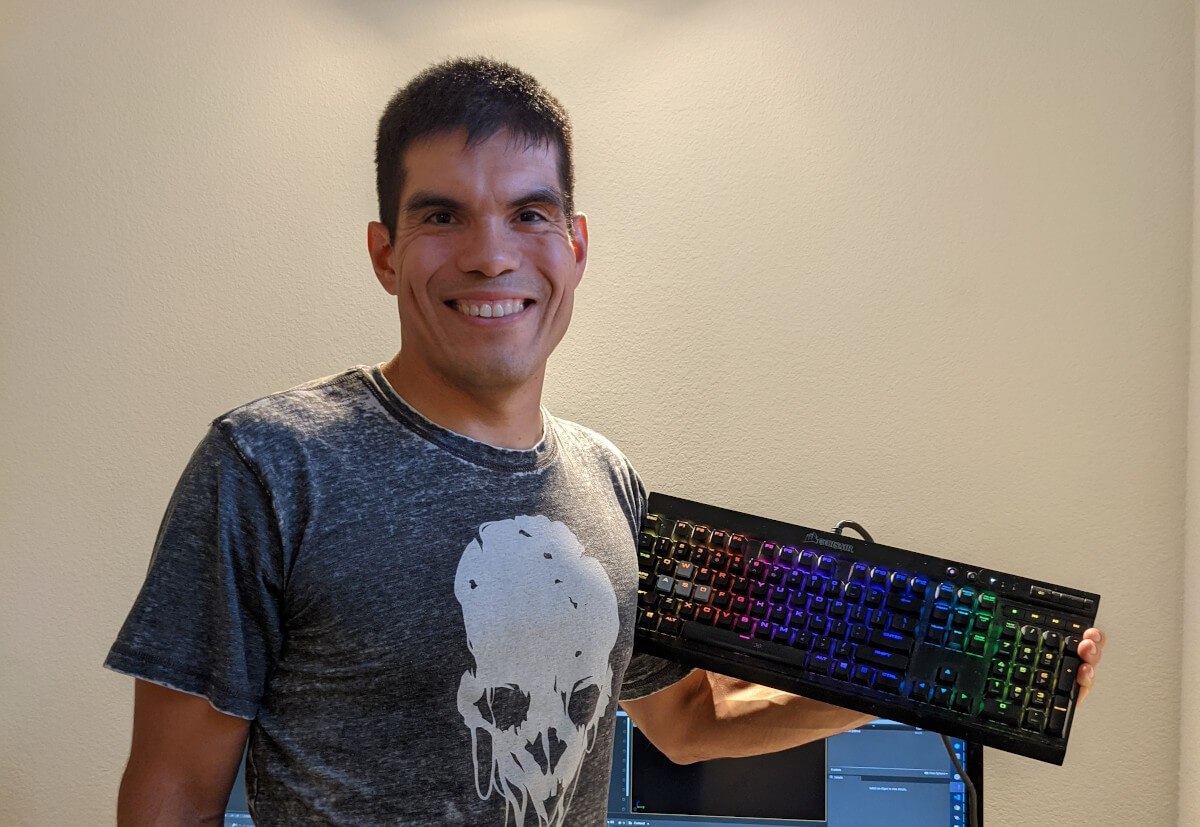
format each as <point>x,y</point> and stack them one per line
<point>882,773</point>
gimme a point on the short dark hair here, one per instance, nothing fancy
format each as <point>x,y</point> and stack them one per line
<point>479,94</point>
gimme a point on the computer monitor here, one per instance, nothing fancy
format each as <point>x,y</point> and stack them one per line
<point>884,773</point>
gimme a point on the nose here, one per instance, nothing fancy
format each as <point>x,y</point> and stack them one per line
<point>488,249</point>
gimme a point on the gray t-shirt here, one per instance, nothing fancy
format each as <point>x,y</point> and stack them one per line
<point>424,629</point>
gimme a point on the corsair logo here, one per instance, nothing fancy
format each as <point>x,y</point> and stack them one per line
<point>821,541</point>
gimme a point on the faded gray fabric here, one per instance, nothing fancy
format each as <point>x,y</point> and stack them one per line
<point>423,628</point>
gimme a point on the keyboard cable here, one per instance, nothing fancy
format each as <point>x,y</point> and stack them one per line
<point>972,805</point>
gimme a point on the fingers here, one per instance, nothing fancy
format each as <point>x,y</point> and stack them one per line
<point>1091,649</point>
<point>1086,680</point>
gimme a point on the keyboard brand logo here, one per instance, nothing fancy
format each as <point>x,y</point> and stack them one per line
<point>821,541</point>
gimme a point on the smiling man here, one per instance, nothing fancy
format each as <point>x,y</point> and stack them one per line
<point>409,585</point>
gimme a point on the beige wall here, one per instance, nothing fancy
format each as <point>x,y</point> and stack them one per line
<point>1189,730</point>
<point>926,265</point>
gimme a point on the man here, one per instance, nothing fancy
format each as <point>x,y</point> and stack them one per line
<point>409,585</point>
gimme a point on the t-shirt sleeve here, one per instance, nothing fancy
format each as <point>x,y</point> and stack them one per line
<point>648,674</point>
<point>207,620</point>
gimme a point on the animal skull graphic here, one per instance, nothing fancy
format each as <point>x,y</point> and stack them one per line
<point>541,623</point>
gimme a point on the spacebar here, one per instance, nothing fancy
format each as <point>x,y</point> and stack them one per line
<point>734,642</point>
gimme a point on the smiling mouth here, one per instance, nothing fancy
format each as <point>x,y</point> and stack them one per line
<point>490,310</point>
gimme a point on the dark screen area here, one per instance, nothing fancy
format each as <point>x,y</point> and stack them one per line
<point>730,787</point>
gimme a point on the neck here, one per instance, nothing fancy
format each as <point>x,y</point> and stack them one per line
<point>501,417</point>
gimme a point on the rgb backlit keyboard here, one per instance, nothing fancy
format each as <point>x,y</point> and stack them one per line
<point>927,641</point>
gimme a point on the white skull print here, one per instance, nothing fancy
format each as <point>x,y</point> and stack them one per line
<point>541,623</point>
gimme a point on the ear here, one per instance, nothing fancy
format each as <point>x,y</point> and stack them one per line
<point>379,245</point>
<point>579,242</point>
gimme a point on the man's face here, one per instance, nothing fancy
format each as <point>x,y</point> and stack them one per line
<point>483,264</point>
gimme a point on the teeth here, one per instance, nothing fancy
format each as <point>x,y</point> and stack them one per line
<point>491,310</point>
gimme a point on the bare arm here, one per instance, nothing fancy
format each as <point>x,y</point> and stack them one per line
<point>183,761</point>
<point>708,716</point>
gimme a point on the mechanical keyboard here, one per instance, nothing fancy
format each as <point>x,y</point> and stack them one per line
<point>958,649</point>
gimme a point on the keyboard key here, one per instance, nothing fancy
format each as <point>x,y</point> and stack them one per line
<point>893,641</point>
<point>904,603</point>
<point>864,675</point>
<point>1056,722</point>
<point>947,676</point>
<point>1005,713</point>
<point>903,623</point>
<point>1035,719</point>
<point>920,691</point>
<point>887,681</point>
<point>818,663</point>
<point>1067,674</point>
<point>962,702</point>
<point>881,657</point>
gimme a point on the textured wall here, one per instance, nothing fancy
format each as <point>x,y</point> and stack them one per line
<point>1189,730</point>
<point>924,265</point>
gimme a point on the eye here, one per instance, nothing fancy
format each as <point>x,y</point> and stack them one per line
<point>504,707</point>
<point>441,217</point>
<point>582,705</point>
<point>530,216</point>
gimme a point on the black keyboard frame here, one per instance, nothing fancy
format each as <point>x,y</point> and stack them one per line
<point>1009,588</point>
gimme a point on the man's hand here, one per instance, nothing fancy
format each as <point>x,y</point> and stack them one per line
<point>1091,648</point>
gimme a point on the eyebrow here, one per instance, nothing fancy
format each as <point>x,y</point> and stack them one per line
<point>540,195</point>
<point>427,199</point>
<point>424,199</point>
